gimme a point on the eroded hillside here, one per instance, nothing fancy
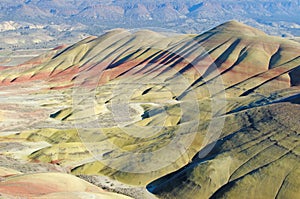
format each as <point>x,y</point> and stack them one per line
<point>205,115</point>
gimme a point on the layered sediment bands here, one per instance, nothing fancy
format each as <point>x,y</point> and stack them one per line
<point>253,161</point>
<point>140,106</point>
<point>50,185</point>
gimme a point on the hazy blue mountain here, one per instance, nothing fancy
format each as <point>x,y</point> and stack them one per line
<point>276,17</point>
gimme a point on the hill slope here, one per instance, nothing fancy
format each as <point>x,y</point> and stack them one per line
<point>218,112</point>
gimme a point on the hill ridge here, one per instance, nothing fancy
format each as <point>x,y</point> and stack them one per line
<point>220,107</point>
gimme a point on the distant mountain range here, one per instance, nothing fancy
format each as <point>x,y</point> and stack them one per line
<point>62,19</point>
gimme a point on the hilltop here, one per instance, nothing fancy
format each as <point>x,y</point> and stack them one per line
<point>185,115</point>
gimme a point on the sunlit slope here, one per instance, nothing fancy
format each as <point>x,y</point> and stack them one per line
<point>239,52</point>
<point>259,159</point>
<point>137,106</point>
<point>49,185</point>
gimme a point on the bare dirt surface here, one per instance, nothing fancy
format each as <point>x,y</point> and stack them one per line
<point>117,187</point>
<point>186,116</point>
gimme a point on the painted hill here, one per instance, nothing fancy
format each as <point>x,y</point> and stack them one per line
<point>49,185</point>
<point>200,115</point>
